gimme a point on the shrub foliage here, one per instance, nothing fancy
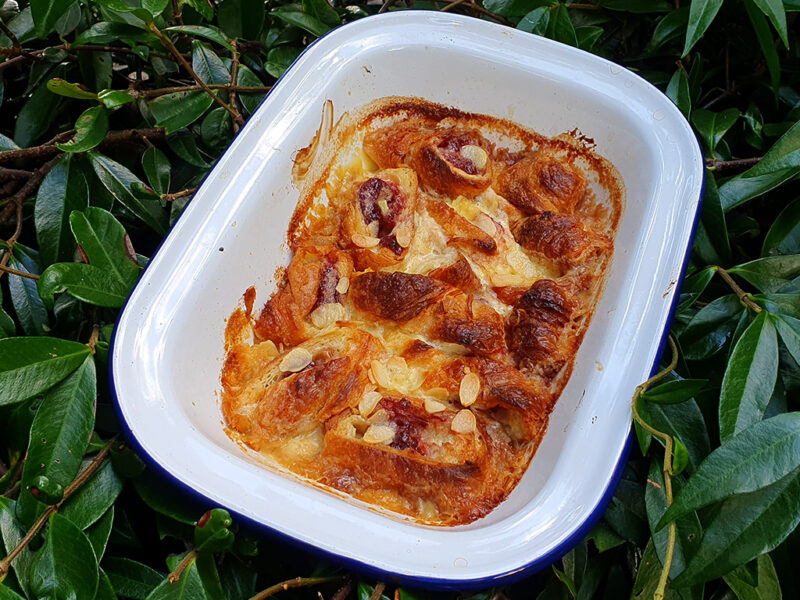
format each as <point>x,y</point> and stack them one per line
<point>111,114</point>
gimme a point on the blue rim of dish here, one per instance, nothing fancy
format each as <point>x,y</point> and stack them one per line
<point>500,579</point>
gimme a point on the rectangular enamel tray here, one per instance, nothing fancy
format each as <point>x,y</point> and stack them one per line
<point>168,346</point>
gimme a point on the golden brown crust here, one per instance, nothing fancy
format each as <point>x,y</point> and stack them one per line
<point>445,268</point>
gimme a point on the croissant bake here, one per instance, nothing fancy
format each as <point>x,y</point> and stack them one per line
<point>445,266</point>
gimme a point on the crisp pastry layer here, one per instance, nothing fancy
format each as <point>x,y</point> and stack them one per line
<point>445,267</point>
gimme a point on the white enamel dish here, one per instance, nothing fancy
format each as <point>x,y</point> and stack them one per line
<point>168,347</point>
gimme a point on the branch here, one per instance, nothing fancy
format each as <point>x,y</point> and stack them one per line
<point>112,137</point>
<point>479,9</point>
<point>237,118</point>
<point>292,583</point>
<point>10,35</point>
<point>11,271</point>
<point>743,296</point>
<point>175,576</point>
<point>6,174</point>
<point>193,88</point>
<point>234,81</point>
<point>98,460</point>
<point>727,165</point>
<point>181,194</point>
<point>378,591</point>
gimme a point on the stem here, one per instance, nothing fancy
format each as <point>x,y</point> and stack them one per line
<point>10,35</point>
<point>378,591</point>
<point>234,81</point>
<point>112,137</point>
<point>452,5</point>
<point>6,174</point>
<point>11,271</point>
<point>479,9</point>
<point>743,296</point>
<point>292,583</point>
<point>727,165</point>
<point>93,338</point>
<point>343,591</point>
<point>176,12</point>
<point>5,564</point>
<point>193,88</point>
<point>182,566</point>
<point>181,194</point>
<point>668,443</point>
<point>171,47</point>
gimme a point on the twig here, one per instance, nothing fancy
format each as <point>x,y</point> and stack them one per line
<point>10,35</point>
<point>176,53</point>
<point>727,165</point>
<point>452,5</point>
<point>181,194</point>
<point>97,461</point>
<point>176,12</point>
<point>93,337</point>
<point>193,88</point>
<point>668,443</point>
<point>344,591</point>
<point>480,9</point>
<point>378,591</point>
<point>578,6</point>
<point>112,137</point>
<point>182,566</point>
<point>11,271</point>
<point>386,6</point>
<point>743,296</point>
<point>6,174</point>
<point>234,81</point>
<point>292,583</point>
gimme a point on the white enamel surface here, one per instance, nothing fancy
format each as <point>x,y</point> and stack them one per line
<point>168,350</point>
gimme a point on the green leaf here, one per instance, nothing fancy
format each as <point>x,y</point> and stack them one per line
<point>105,243</point>
<point>693,286</point>
<point>94,498</point>
<point>678,91</point>
<point>131,579</point>
<point>7,326</point>
<point>189,587</point>
<point>744,527</point>
<point>701,14</point>
<point>672,25</point>
<point>6,143</point>
<point>90,129</point>
<point>216,130</point>
<point>241,18</point>
<point>65,568</point>
<point>35,117</point>
<point>749,377</point>
<point>105,32</point>
<point>647,577</point>
<point>211,534</point>
<point>207,65</point>
<point>157,169</point>
<point>12,534</point>
<point>766,586</point>
<point>46,14</point>
<point>117,180</point>
<point>787,304</point>
<point>536,21</point>
<point>636,6</point>
<point>70,90</point>
<point>711,327</point>
<point>711,244</point>
<point>774,10</point>
<point>60,433</point>
<point>165,500</point>
<point>32,365</point>
<point>180,109</point>
<point>685,422</point>
<point>99,532</point>
<point>184,145</point>
<point>63,190</point>
<point>209,32</point>
<point>322,11</point>
<point>299,19</point>
<point>279,59</point>
<point>250,101</point>
<point>752,460</point>
<point>713,126</point>
<point>769,274</point>
<point>765,41</point>
<point>84,282</point>
<point>789,330</point>
<point>561,28</point>
<point>604,537</point>
<point>31,313</point>
<point>780,163</point>
<point>155,7</point>
<point>514,8</point>
<point>674,392</point>
<point>112,99</point>
<point>784,235</point>
<point>105,591</point>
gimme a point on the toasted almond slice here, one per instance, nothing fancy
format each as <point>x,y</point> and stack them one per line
<point>397,362</point>
<point>464,421</point>
<point>379,373</point>
<point>296,360</point>
<point>364,241</point>
<point>402,233</point>
<point>343,285</point>
<point>469,389</point>
<point>476,154</point>
<point>269,347</point>
<point>439,393</point>
<point>373,228</point>
<point>368,403</point>
<point>326,315</point>
<point>434,406</point>
<point>485,222</point>
<point>379,434</point>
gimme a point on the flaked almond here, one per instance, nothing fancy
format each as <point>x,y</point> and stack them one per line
<point>343,285</point>
<point>296,360</point>
<point>270,349</point>
<point>379,434</point>
<point>439,393</point>
<point>364,241</point>
<point>374,227</point>
<point>368,403</point>
<point>379,373</point>
<point>434,406</point>
<point>464,421</point>
<point>397,363</point>
<point>469,389</point>
<point>476,154</point>
<point>326,315</point>
<point>402,233</point>
<point>384,206</point>
<point>486,224</point>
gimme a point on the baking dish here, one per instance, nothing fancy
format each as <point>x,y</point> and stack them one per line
<point>168,346</point>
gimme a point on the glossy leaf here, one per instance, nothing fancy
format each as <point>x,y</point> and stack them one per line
<point>112,99</point>
<point>240,18</point>
<point>784,235</point>
<point>35,117</point>
<point>46,15</point>
<point>561,28</point>
<point>216,130</point>
<point>250,101</point>
<point>60,433</point>
<point>685,422</point>
<point>789,331</point>
<point>765,587</point>
<point>117,180</point>
<point>749,377</point>
<point>648,574</point>
<point>701,15</point>
<point>712,126</point>
<point>754,459</point>
<point>774,10</point>
<point>28,306</point>
<point>92,500</point>
<point>671,26</point>
<point>535,21</point>
<point>279,59</point>
<point>212,34</point>
<point>678,92</point>
<point>185,146</point>
<point>765,41</point>
<point>780,163</point>
<point>711,327</point>
<point>322,11</point>
<point>84,282</point>
<point>771,273</point>
<point>131,579</point>
<point>300,19</point>
<point>105,591</point>
<point>32,365</point>
<point>787,304</point>
<point>674,392</point>
<point>63,190</point>
<point>155,7</point>
<point>157,169</point>
<point>712,245</point>
<point>744,527</point>
<point>90,129</point>
<point>70,90</point>
<point>99,532</point>
<point>189,587</point>
<point>207,65</point>
<point>105,243</point>
<point>65,568</point>
<point>512,8</point>
<point>12,534</point>
<point>180,109</point>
